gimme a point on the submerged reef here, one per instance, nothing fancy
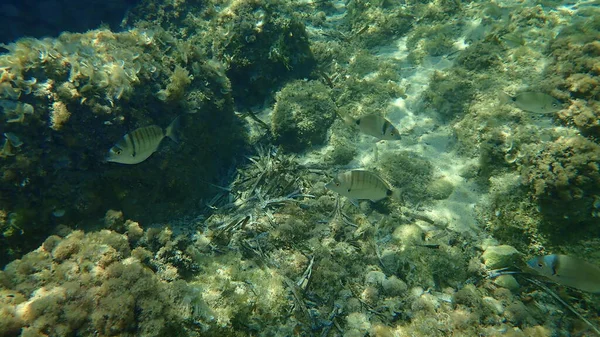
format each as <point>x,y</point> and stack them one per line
<point>66,101</point>
<point>108,284</point>
<point>251,242</point>
<point>540,170</point>
<point>260,43</point>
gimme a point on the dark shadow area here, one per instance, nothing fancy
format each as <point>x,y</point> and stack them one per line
<point>40,18</point>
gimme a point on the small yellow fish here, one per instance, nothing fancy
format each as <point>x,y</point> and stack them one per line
<point>568,271</point>
<point>536,102</point>
<point>360,184</point>
<point>138,145</point>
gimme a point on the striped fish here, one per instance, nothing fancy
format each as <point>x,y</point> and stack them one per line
<point>138,145</point>
<point>378,127</point>
<point>360,184</point>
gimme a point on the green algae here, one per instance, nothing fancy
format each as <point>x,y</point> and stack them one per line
<point>277,253</point>
<point>302,115</point>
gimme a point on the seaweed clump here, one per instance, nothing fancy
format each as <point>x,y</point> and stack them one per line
<point>90,283</point>
<point>564,178</point>
<point>263,43</point>
<point>410,172</point>
<point>111,284</point>
<point>303,113</point>
<point>575,71</point>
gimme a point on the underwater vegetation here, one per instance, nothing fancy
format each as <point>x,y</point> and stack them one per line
<point>260,44</point>
<point>66,101</point>
<point>122,284</point>
<point>575,71</point>
<point>565,180</point>
<point>302,115</point>
<point>238,227</point>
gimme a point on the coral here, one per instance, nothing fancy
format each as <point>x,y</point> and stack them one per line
<point>302,115</point>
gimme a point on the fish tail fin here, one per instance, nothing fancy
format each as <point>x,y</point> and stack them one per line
<point>345,118</point>
<point>396,194</point>
<point>173,129</point>
<point>505,98</point>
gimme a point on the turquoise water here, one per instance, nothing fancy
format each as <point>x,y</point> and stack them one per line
<point>338,168</point>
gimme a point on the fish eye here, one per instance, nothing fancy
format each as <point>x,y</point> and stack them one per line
<point>337,184</point>
<point>118,151</point>
<point>348,190</point>
<point>540,265</point>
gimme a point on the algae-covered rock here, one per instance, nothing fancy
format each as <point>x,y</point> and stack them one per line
<point>342,151</point>
<point>408,171</point>
<point>385,20</point>
<point>574,72</point>
<point>263,44</point>
<point>91,285</point>
<point>502,256</point>
<point>508,282</point>
<point>450,93</point>
<point>302,115</point>
<point>393,286</point>
<point>564,179</point>
<point>102,284</point>
<point>440,189</point>
<point>66,101</point>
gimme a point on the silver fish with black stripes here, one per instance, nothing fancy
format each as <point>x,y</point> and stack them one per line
<point>378,127</point>
<point>361,184</point>
<point>141,143</point>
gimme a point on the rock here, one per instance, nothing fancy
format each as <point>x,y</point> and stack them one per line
<point>502,256</point>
